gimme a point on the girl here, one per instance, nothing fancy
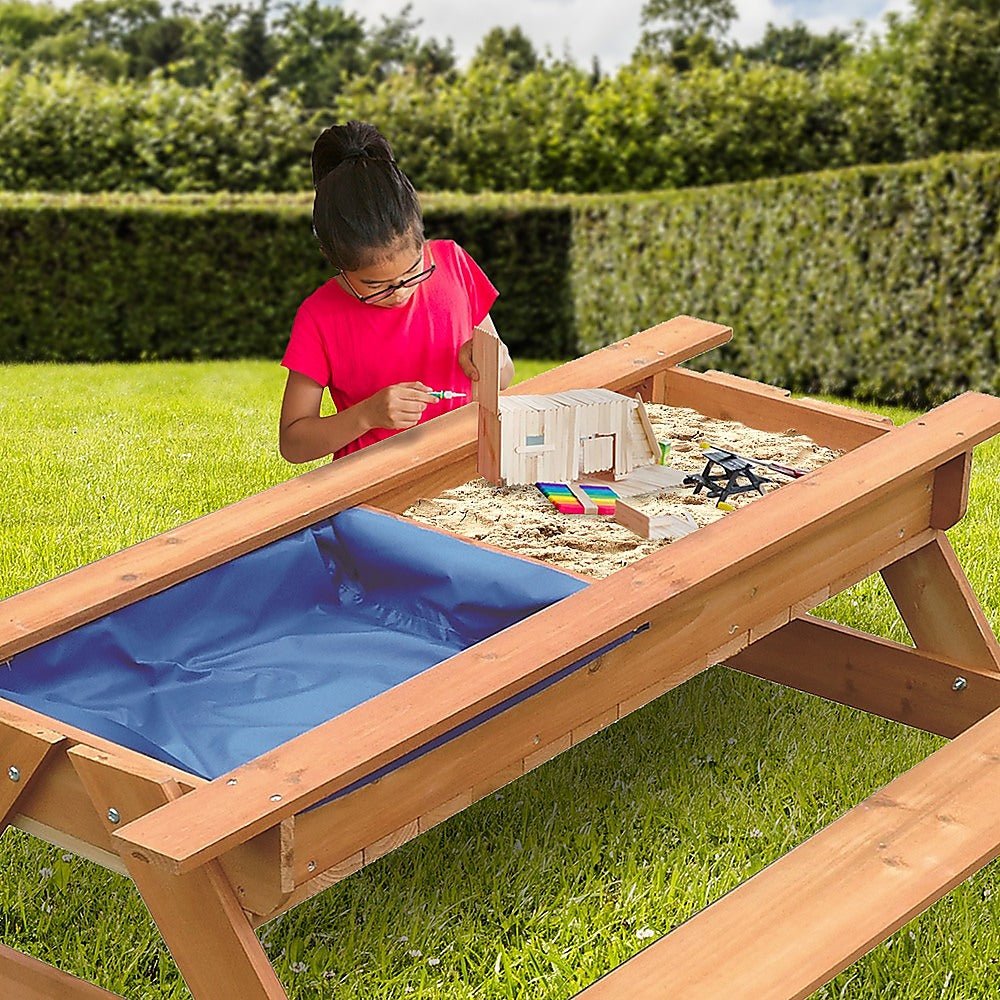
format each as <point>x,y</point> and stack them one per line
<point>396,319</point>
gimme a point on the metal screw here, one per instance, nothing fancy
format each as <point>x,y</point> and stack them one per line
<point>13,773</point>
<point>275,797</point>
<point>114,816</point>
<point>959,683</point>
<point>231,782</point>
<point>311,866</point>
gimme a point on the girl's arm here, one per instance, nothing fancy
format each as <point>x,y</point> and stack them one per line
<point>303,435</point>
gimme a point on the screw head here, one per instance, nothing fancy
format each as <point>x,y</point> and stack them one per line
<point>959,683</point>
<point>13,773</point>
<point>114,816</point>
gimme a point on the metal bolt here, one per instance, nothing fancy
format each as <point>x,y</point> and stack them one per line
<point>13,773</point>
<point>114,816</point>
<point>231,782</point>
<point>959,684</point>
<point>276,797</point>
<point>311,866</point>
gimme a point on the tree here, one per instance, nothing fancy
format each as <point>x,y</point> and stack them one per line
<point>796,47</point>
<point>509,47</point>
<point>319,47</point>
<point>253,47</point>
<point>393,46</point>
<point>686,31</point>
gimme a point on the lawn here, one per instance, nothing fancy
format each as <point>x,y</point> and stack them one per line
<point>537,890</point>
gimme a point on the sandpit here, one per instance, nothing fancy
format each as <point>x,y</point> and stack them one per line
<point>519,519</point>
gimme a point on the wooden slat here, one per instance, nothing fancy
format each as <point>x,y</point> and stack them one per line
<point>25,978</point>
<point>717,395</point>
<point>781,538</point>
<point>951,492</point>
<point>940,608</point>
<point>795,925</point>
<point>872,674</point>
<point>384,468</point>
<point>198,915</point>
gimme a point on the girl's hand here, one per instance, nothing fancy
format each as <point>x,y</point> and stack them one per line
<point>465,361</point>
<point>397,407</point>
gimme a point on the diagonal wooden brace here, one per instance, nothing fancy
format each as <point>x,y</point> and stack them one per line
<point>24,748</point>
<point>198,915</point>
<point>870,673</point>
<point>940,608</point>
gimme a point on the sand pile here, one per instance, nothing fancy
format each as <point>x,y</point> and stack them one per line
<point>519,519</point>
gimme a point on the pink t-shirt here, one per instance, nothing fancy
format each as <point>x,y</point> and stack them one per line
<point>355,348</point>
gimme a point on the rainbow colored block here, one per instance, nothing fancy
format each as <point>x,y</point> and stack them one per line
<point>562,498</point>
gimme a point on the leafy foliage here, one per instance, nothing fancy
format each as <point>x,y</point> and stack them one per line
<point>876,281</point>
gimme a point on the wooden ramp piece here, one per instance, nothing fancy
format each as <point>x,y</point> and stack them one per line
<point>808,916</point>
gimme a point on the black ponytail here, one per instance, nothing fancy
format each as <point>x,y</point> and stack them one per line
<point>365,206</point>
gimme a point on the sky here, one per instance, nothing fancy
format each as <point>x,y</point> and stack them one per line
<point>608,29</point>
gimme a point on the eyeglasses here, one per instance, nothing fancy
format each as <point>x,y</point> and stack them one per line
<point>384,293</point>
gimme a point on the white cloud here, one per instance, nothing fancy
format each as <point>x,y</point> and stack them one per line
<point>585,28</point>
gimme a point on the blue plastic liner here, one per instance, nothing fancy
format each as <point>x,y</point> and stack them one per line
<point>236,661</point>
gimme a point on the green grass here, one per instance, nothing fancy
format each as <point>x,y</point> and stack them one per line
<point>547,884</point>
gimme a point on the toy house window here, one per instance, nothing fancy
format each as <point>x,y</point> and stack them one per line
<point>534,444</point>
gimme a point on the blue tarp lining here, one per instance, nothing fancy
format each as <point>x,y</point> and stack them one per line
<point>221,668</point>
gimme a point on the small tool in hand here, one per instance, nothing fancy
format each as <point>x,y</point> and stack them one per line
<point>447,394</point>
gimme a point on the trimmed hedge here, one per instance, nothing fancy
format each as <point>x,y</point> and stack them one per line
<point>874,282</point>
<point>136,277</point>
<point>878,282</point>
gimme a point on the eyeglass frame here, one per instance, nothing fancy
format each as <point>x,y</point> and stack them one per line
<point>384,293</point>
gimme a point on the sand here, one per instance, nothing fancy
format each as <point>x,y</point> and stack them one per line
<point>519,519</point>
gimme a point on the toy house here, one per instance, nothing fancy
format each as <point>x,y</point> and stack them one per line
<point>557,437</point>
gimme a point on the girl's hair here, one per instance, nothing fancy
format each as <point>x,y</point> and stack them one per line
<point>365,206</point>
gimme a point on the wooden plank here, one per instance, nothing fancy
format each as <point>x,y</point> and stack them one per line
<point>771,552</point>
<point>951,492</point>
<point>198,915</point>
<point>647,429</point>
<point>756,405</point>
<point>25,978</point>
<point>589,507</point>
<point>940,608</point>
<point>382,469</point>
<point>486,358</point>
<point>629,517</point>
<point>873,674</point>
<point>808,916</point>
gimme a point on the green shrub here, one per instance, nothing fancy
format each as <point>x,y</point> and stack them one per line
<point>879,282</point>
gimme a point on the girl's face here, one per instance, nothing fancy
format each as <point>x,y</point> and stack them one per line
<point>382,283</point>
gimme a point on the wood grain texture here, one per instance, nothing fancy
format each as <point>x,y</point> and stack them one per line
<point>198,915</point>
<point>385,468</point>
<point>26,978</point>
<point>939,607</point>
<point>795,925</point>
<point>875,675</point>
<point>777,539</point>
